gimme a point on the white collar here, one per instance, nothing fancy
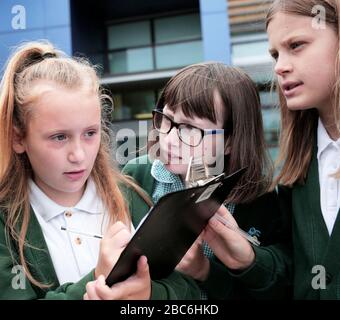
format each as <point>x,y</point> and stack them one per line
<point>90,202</point>
<point>324,139</point>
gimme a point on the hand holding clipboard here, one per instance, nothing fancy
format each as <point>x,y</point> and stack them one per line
<point>171,227</point>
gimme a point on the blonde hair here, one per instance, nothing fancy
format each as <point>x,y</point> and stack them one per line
<point>32,62</point>
<point>296,144</point>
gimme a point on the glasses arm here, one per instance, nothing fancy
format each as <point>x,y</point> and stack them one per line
<point>213,131</point>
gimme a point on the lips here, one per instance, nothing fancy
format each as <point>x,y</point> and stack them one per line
<point>290,87</point>
<point>74,175</point>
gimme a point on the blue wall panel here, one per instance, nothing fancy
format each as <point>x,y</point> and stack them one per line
<point>45,19</point>
<point>215,30</point>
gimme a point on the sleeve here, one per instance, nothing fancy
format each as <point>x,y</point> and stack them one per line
<point>176,285</point>
<point>270,276</point>
<point>71,291</point>
<point>219,284</point>
<point>138,168</point>
<point>15,285</point>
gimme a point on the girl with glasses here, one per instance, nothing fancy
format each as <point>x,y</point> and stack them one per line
<point>211,111</point>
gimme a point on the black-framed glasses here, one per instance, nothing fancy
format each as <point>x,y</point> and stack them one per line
<point>188,134</point>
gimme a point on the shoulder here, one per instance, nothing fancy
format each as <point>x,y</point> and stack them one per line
<point>136,165</point>
<point>140,170</point>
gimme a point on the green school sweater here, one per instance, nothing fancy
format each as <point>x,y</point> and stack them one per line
<point>15,286</point>
<point>313,264</point>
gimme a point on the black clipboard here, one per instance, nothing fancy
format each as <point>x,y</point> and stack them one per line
<point>171,227</point>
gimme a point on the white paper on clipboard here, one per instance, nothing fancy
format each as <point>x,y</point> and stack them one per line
<point>208,192</point>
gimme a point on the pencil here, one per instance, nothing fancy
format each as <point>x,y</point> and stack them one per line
<point>98,236</point>
<point>237,229</point>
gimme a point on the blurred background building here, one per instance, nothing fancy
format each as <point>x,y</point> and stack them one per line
<point>139,45</point>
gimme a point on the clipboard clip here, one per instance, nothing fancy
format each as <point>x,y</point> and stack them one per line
<point>198,173</point>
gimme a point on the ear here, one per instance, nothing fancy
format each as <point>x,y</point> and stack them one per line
<point>18,141</point>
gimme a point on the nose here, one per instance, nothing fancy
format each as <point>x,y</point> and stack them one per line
<point>283,65</point>
<point>76,153</point>
<point>172,137</point>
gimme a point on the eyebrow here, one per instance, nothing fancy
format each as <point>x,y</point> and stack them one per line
<point>288,40</point>
<point>94,127</point>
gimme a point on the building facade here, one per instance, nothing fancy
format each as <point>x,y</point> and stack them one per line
<point>139,45</point>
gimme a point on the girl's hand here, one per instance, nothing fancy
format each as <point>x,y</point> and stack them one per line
<point>229,246</point>
<point>136,287</point>
<point>111,246</point>
<point>195,264</point>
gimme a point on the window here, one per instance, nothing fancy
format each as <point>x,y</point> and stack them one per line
<point>179,28</point>
<point>134,104</point>
<point>128,35</point>
<point>250,49</point>
<point>179,54</point>
<point>131,60</point>
<point>154,44</point>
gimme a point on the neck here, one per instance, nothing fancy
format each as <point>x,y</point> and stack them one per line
<point>326,115</point>
<point>65,199</point>
<point>328,122</point>
<point>68,199</point>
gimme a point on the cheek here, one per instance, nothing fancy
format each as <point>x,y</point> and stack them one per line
<point>40,151</point>
<point>196,152</point>
<point>163,143</point>
<point>162,139</point>
<point>93,149</point>
<point>324,68</point>
<point>45,162</point>
<point>97,142</point>
<point>320,81</point>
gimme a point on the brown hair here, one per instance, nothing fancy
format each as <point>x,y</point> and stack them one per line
<point>296,145</point>
<point>192,89</point>
<point>29,63</point>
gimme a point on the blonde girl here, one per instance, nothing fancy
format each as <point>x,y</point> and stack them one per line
<point>56,170</point>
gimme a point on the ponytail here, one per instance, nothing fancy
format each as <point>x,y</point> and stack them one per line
<point>32,62</point>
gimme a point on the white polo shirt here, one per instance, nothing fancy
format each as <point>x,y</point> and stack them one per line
<point>73,255</point>
<point>328,162</point>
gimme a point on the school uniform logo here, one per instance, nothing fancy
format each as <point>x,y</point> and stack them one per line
<point>253,232</point>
